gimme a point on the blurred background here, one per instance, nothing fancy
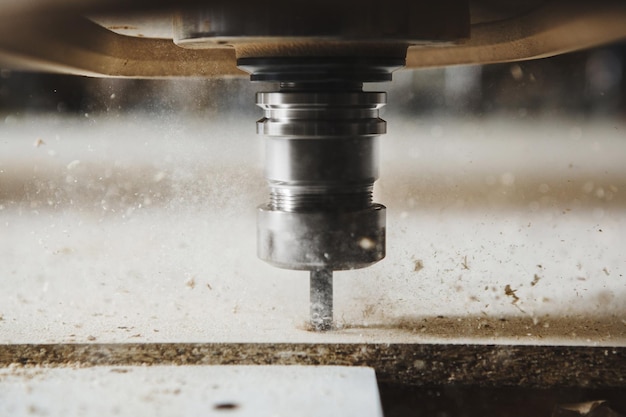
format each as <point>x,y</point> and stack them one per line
<point>587,84</point>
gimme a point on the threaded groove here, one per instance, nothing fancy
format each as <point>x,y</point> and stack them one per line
<point>327,162</point>
<point>321,152</point>
<point>304,199</point>
<point>321,113</point>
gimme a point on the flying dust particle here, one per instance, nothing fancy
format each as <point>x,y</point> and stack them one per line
<point>191,283</point>
<point>367,243</point>
<point>225,406</point>
<point>464,264</point>
<point>39,142</point>
<point>511,293</point>
<point>419,265</point>
<point>535,280</point>
<point>516,72</point>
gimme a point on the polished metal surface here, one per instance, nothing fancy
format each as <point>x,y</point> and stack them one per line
<point>322,155</point>
<point>321,113</point>
<point>321,163</point>
<point>325,238</point>
<point>321,286</point>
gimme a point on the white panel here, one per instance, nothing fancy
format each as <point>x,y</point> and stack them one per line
<point>186,391</point>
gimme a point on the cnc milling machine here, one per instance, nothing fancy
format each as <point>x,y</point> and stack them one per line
<point>315,65</point>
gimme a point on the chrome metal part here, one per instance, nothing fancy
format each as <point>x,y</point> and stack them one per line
<point>321,163</point>
<point>321,299</point>
<point>321,151</point>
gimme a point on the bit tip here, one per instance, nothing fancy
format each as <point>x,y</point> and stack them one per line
<point>321,299</point>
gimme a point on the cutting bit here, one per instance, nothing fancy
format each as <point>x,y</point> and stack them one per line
<point>321,299</point>
<point>321,148</point>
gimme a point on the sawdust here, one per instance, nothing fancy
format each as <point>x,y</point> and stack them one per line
<point>191,283</point>
<point>511,293</point>
<point>535,281</point>
<point>526,329</point>
<point>414,364</point>
<point>464,264</point>
<point>306,47</point>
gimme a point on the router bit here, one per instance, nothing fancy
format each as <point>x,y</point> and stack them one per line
<point>321,145</point>
<point>321,299</point>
